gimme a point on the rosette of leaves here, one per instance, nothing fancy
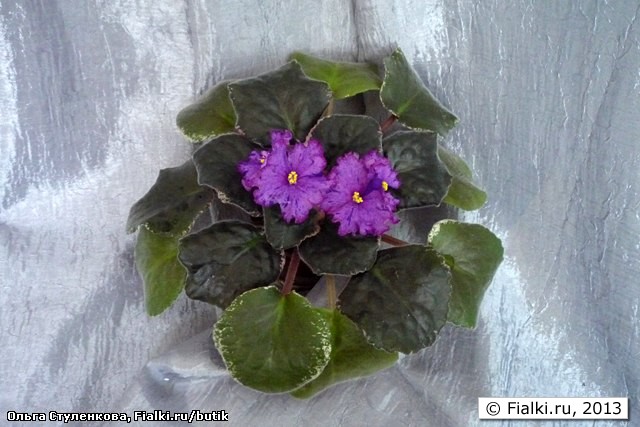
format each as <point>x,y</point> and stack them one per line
<point>397,299</point>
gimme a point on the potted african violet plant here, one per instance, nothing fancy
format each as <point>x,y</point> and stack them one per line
<point>317,191</point>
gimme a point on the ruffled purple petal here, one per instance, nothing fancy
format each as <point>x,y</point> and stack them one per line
<point>273,186</point>
<point>381,167</point>
<point>296,207</point>
<point>278,156</point>
<point>369,218</point>
<point>349,173</point>
<point>372,210</point>
<point>251,169</point>
<point>348,176</point>
<point>308,158</point>
<point>281,136</point>
<point>297,200</point>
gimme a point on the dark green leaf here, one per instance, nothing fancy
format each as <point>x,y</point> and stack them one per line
<point>351,356</point>
<point>423,177</point>
<point>474,254</point>
<point>344,78</point>
<point>282,99</point>
<point>273,343</point>
<point>217,165</point>
<point>172,203</point>
<point>342,133</point>
<point>328,253</point>
<point>404,94</point>
<point>401,303</point>
<point>227,259</point>
<point>157,263</point>
<point>211,115</point>
<point>284,235</point>
<point>463,193</point>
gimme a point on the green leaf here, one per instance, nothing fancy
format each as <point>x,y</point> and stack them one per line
<point>227,259</point>
<point>172,203</point>
<point>402,302</point>
<point>344,78</point>
<point>217,165</point>
<point>209,116</point>
<point>343,133</point>
<point>404,94</point>
<point>284,235</point>
<point>424,180</point>
<point>156,258</point>
<point>282,99</point>
<point>474,254</point>
<point>351,356</point>
<point>463,193</point>
<point>329,253</point>
<point>273,343</point>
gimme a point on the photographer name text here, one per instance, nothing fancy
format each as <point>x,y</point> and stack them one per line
<point>138,416</point>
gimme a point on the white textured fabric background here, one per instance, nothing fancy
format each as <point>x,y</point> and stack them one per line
<point>548,93</point>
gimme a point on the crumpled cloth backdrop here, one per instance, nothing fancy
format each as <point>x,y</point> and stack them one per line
<point>548,96</point>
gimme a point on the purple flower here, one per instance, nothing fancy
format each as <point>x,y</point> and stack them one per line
<point>251,169</point>
<point>358,199</point>
<point>384,175</point>
<point>290,176</point>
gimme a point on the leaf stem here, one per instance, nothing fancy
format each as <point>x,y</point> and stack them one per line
<point>329,109</point>
<point>388,123</point>
<point>294,262</point>
<point>393,241</point>
<point>330,281</point>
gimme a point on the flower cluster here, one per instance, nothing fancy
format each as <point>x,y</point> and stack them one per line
<point>355,193</point>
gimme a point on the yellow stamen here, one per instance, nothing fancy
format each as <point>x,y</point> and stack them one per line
<point>293,177</point>
<point>385,185</point>
<point>356,197</point>
<point>262,160</point>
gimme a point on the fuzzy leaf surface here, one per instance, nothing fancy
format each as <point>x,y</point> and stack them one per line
<point>343,133</point>
<point>273,343</point>
<point>352,356</point>
<point>344,78</point>
<point>284,235</point>
<point>473,254</point>
<point>156,258</point>
<point>227,259</point>
<point>328,253</point>
<point>217,166</point>
<point>463,193</point>
<point>424,179</point>
<point>211,115</point>
<point>402,301</point>
<point>405,95</point>
<point>281,99</point>
<point>172,203</point>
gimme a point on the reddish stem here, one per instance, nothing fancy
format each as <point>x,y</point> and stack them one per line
<point>393,241</point>
<point>294,262</point>
<point>388,123</point>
